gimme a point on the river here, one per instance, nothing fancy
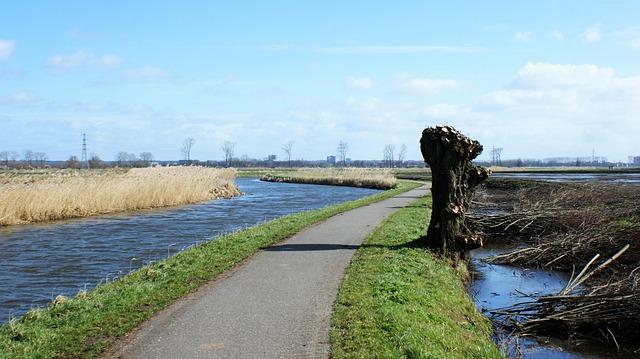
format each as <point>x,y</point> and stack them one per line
<point>41,261</point>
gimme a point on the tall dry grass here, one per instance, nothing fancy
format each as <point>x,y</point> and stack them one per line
<point>354,177</point>
<point>45,196</point>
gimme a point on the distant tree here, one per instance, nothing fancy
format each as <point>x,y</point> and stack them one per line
<point>95,161</point>
<point>28,157</point>
<point>14,156</point>
<point>228,149</point>
<point>40,158</point>
<point>519,163</point>
<point>343,147</point>
<point>124,159</point>
<point>401,154</point>
<point>389,155</point>
<point>146,158</point>
<point>72,162</point>
<point>288,148</point>
<point>4,157</point>
<point>187,144</point>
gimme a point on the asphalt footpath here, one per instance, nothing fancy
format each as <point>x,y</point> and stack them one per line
<point>277,304</point>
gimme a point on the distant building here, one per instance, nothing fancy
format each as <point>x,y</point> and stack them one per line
<point>635,160</point>
<point>331,160</point>
<point>271,158</point>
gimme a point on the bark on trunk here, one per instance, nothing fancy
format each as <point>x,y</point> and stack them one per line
<point>449,154</point>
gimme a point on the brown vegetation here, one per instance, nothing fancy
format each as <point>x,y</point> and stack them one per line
<point>353,177</point>
<point>51,195</point>
<point>589,229</point>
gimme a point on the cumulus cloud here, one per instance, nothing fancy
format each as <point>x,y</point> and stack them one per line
<point>362,83</point>
<point>425,85</point>
<point>593,33</point>
<point>523,36</point>
<point>82,59</point>
<point>6,49</point>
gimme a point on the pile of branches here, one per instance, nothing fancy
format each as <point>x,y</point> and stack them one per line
<point>608,312</point>
<point>569,226</point>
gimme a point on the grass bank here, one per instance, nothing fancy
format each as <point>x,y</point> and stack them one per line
<point>398,300</point>
<point>85,325</point>
<point>46,196</point>
<point>352,177</point>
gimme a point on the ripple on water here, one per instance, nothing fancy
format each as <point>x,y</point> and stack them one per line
<point>40,261</point>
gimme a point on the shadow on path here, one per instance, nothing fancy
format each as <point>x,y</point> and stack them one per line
<point>307,247</point>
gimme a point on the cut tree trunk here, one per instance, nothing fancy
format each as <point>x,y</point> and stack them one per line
<point>454,178</point>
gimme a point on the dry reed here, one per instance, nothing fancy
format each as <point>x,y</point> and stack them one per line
<point>353,177</point>
<point>45,196</point>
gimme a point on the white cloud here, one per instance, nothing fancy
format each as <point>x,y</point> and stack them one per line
<point>6,49</point>
<point>147,73</point>
<point>630,36</point>
<point>80,59</point>
<point>18,98</point>
<point>558,35</point>
<point>593,33</point>
<point>362,83</point>
<point>523,36</point>
<point>425,85</point>
<point>376,49</point>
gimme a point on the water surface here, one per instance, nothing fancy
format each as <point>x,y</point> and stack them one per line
<point>41,261</point>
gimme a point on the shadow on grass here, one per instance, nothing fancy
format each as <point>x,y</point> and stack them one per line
<point>309,247</point>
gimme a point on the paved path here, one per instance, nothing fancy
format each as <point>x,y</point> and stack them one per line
<point>276,305</point>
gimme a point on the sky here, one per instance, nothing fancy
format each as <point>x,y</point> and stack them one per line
<point>539,78</point>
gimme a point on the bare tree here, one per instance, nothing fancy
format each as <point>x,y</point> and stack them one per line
<point>40,158</point>
<point>343,147</point>
<point>186,148</point>
<point>4,157</point>
<point>288,148</point>
<point>14,156</point>
<point>95,161</point>
<point>124,159</point>
<point>228,148</point>
<point>389,155</point>
<point>401,154</point>
<point>72,162</point>
<point>28,157</point>
<point>146,158</point>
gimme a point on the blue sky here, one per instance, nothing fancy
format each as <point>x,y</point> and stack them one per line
<point>540,79</point>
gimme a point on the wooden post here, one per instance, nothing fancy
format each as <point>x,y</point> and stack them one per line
<point>449,154</point>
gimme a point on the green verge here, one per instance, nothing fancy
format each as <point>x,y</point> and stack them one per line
<point>398,300</point>
<point>85,325</point>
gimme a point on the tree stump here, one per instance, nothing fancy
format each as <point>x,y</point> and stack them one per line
<point>449,154</point>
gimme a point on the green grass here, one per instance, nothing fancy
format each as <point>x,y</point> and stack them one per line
<point>398,300</point>
<point>85,325</point>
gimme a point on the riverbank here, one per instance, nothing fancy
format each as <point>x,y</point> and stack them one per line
<point>351,177</point>
<point>400,300</point>
<point>83,326</point>
<point>39,196</point>
<point>589,231</point>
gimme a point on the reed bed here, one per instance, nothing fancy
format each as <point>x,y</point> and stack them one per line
<point>45,196</point>
<point>352,177</point>
<point>589,230</point>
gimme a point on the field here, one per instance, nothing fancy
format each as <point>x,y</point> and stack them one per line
<point>37,196</point>
<point>354,177</point>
